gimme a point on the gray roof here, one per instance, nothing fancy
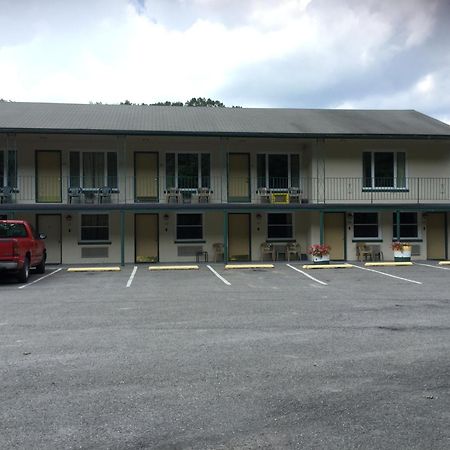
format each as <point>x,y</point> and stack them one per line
<point>170,120</point>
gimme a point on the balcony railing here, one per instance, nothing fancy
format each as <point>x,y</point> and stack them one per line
<point>128,190</point>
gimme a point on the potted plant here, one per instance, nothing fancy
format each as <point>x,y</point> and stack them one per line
<point>402,251</point>
<point>320,253</point>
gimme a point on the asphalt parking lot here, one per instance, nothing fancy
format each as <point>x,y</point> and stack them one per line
<point>227,359</point>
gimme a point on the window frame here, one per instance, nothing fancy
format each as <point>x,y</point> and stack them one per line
<point>289,170</point>
<point>8,177</point>
<point>418,225</point>
<point>395,177</point>
<point>81,178</point>
<point>201,178</point>
<point>94,241</point>
<point>280,239</point>
<point>379,236</point>
<point>177,226</point>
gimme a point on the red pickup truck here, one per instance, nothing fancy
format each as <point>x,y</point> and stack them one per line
<point>21,248</point>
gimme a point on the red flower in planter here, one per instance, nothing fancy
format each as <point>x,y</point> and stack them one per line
<point>398,246</point>
<point>319,249</point>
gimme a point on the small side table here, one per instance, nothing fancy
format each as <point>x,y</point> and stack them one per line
<point>200,255</point>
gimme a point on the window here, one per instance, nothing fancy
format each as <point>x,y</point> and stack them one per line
<point>94,227</point>
<point>188,170</point>
<point>277,171</point>
<point>189,227</point>
<point>12,230</point>
<point>365,226</point>
<point>384,170</point>
<point>279,226</point>
<point>409,228</point>
<point>8,168</point>
<point>93,169</point>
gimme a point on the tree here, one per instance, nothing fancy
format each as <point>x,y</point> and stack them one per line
<point>167,103</point>
<point>201,101</point>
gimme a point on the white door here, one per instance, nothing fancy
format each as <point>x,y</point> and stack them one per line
<point>50,224</point>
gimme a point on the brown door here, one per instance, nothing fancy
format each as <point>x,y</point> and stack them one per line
<point>146,237</point>
<point>239,237</point>
<point>146,176</point>
<point>334,234</point>
<point>238,177</point>
<point>436,236</point>
<point>50,224</point>
<point>48,176</point>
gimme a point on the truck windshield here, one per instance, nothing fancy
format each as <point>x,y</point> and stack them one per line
<point>12,230</point>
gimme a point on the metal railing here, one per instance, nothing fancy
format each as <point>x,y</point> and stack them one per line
<point>30,189</point>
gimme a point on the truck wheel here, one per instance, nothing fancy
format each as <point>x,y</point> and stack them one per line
<point>40,268</point>
<point>22,276</point>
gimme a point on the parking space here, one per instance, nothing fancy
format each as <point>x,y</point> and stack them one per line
<point>273,359</point>
<point>425,277</point>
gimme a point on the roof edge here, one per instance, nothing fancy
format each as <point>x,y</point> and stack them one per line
<point>102,132</point>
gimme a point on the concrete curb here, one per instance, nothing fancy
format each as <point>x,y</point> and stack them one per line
<point>388,264</point>
<point>194,267</point>
<point>93,269</point>
<point>327,266</point>
<point>249,266</point>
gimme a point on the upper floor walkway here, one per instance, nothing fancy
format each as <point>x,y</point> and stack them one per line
<point>221,190</point>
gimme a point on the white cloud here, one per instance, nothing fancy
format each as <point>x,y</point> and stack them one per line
<point>429,94</point>
<point>258,52</point>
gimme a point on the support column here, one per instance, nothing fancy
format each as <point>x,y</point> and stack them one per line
<point>225,237</point>
<point>322,228</point>
<point>122,238</point>
<point>397,224</point>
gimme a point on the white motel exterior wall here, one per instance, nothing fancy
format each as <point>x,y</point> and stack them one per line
<point>318,158</point>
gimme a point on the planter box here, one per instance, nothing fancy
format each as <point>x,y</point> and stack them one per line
<point>403,255</point>
<point>324,259</point>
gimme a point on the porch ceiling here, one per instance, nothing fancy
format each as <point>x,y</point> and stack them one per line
<point>242,207</point>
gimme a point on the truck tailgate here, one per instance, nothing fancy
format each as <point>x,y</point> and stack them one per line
<point>6,248</point>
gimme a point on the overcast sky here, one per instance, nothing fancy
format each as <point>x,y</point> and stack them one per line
<point>255,53</point>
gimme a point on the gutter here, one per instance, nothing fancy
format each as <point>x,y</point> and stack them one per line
<point>224,134</point>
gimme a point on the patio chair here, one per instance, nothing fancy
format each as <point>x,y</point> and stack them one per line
<point>377,253</point>
<point>266,249</point>
<point>294,195</point>
<point>363,252</point>
<point>202,195</point>
<point>173,195</point>
<point>6,193</point>
<point>218,251</point>
<point>104,194</point>
<point>292,248</point>
<point>264,195</point>
<point>74,192</point>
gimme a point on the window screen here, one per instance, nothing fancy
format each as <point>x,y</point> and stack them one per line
<point>279,226</point>
<point>189,226</point>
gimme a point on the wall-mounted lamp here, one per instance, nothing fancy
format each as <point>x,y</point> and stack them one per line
<point>349,220</point>
<point>166,221</point>
<point>258,221</point>
<point>69,221</point>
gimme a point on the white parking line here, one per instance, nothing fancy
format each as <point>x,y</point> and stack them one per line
<point>130,280</point>
<point>307,275</point>
<point>39,279</point>
<point>218,276</point>
<point>388,274</point>
<point>431,265</point>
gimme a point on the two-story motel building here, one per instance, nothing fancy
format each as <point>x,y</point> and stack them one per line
<point>116,183</point>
